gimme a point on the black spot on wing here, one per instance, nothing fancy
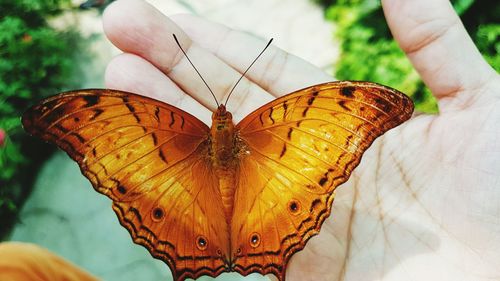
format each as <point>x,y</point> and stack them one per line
<point>383,104</point>
<point>122,189</point>
<point>155,139</point>
<point>405,102</point>
<point>312,98</point>
<point>162,156</point>
<point>271,114</point>
<point>91,100</point>
<point>96,114</point>
<point>322,181</point>
<point>157,114</point>
<point>285,108</point>
<point>136,213</point>
<point>79,137</point>
<point>342,104</point>
<point>61,128</point>
<point>348,91</point>
<point>172,120</point>
<point>310,101</point>
<point>314,204</point>
<point>131,108</point>
<point>283,151</point>
<point>304,113</point>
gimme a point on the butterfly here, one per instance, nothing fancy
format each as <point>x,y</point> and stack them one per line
<point>208,200</point>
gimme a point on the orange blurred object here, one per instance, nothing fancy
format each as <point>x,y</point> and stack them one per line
<point>29,262</point>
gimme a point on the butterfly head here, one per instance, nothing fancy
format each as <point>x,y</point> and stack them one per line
<point>222,117</point>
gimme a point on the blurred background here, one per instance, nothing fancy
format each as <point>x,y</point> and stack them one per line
<point>48,47</point>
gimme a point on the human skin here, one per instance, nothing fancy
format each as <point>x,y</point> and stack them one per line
<point>424,204</point>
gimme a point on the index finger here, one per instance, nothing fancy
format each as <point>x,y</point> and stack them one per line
<point>138,28</point>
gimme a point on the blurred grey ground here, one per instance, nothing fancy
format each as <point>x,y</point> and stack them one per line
<point>65,214</point>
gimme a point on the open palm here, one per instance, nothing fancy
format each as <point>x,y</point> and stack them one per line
<point>425,202</point>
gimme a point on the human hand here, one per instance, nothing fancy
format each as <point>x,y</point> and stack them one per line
<point>422,205</point>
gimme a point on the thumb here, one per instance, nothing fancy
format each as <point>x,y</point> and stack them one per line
<point>435,40</point>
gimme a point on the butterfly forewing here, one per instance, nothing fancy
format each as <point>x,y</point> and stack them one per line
<point>300,148</point>
<point>152,160</point>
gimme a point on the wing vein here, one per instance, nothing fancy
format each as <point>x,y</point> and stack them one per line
<point>285,167</point>
<point>161,171</point>
<point>295,121</point>
<point>97,159</point>
<point>307,153</point>
<point>131,162</point>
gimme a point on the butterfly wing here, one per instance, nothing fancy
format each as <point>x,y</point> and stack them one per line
<point>151,159</point>
<point>300,148</point>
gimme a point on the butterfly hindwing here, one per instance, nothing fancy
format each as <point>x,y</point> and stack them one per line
<point>300,148</point>
<point>150,158</point>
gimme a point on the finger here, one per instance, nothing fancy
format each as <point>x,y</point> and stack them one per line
<point>122,73</point>
<point>276,71</point>
<point>137,27</point>
<point>436,42</point>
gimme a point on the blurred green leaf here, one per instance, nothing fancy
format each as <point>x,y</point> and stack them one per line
<point>488,40</point>
<point>35,60</point>
<point>461,6</point>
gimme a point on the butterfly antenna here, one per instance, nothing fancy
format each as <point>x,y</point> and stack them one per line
<point>180,47</point>
<point>243,75</point>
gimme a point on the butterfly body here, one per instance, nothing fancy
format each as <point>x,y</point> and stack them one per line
<point>208,200</point>
<point>226,148</point>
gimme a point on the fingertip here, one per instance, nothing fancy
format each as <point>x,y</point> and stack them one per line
<point>139,28</point>
<point>113,18</point>
<point>114,74</point>
<point>436,42</point>
<point>412,27</point>
<point>110,9</point>
<point>131,73</point>
<point>119,22</point>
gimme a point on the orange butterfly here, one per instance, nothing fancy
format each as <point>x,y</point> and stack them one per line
<point>208,200</point>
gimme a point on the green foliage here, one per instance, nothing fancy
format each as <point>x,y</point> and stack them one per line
<point>488,40</point>
<point>35,60</point>
<point>482,21</point>
<point>368,51</point>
